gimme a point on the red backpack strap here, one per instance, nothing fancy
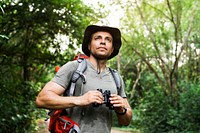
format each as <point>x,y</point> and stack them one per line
<point>81,56</point>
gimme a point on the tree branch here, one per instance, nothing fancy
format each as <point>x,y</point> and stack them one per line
<point>152,37</point>
<point>152,69</point>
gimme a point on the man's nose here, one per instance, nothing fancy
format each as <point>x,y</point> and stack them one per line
<point>103,42</point>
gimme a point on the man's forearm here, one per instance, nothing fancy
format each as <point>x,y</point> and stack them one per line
<point>56,102</point>
<point>125,119</point>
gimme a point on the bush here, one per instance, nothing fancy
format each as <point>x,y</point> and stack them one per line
<point>154,112</point>
<point>158,113</point>
<point>190,109</point>
<point>17,107</point>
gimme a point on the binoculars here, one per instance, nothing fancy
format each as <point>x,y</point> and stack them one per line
<point>106,96</point>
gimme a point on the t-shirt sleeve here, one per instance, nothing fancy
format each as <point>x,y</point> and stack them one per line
<point>64,74</point>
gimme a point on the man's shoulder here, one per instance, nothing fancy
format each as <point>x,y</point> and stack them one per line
<point>73,63</point>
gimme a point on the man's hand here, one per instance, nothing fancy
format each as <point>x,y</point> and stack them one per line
<point>122,109</point>
<point>118,102</point>
<point>90,97</point>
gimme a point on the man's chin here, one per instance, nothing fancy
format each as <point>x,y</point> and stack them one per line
<point>101,57</point>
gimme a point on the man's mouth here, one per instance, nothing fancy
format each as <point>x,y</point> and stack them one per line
<point>102,48</point>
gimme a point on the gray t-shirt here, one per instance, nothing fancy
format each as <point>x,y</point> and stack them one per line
<point>91,119</point>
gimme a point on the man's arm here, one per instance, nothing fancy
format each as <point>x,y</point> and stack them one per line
<point>50,98</point>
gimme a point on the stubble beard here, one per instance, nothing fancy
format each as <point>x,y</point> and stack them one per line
<point>99,56</point>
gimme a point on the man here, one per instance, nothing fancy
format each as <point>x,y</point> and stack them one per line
<point>100,43</point>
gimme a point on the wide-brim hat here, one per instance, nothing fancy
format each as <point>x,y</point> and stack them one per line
<point>115,32</point>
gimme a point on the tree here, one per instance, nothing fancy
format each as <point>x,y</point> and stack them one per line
<point>37,30</point>
<point>160,36</point>
<point>160,57</point>
<point>31,49</point>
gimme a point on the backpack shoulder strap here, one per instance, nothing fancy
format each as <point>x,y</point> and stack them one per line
<point>82,66</point>
<point>117,79</point>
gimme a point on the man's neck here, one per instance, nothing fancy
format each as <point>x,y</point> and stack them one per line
<point>102,63</point>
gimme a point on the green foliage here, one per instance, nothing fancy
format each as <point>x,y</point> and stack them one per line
<point>153,112</point>
<point>161,50</point>
<point>155,36</point>
<point>17,106</point>
<point>189,113</point>
<point>31,46</point>
<point>32,27</point>
<point>156,113</point>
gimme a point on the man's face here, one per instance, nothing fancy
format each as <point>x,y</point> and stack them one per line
<point>101,45</point>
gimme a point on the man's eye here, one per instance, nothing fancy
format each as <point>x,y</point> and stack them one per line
<point>98,37</point>
<point>109,39</point>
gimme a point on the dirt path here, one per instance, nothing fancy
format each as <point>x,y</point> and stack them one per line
<point>118,131</point>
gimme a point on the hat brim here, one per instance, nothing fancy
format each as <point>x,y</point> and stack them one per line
<point>116,34</point>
